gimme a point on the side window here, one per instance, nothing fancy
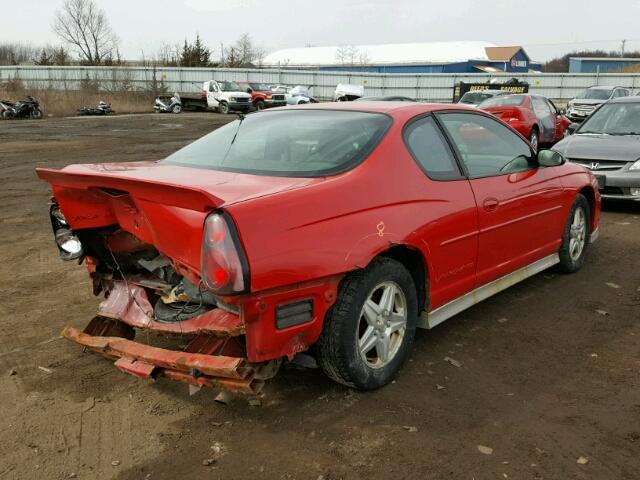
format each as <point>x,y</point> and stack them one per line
<point>213,87</point>
<point>487,147</point>
<point>429,148</point>
<point>540,107</point>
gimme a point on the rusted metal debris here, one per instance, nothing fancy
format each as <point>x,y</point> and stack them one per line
<point>201,364</point>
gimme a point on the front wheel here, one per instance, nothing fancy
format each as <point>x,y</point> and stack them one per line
<point>369,331</point>
<point>223,108</point>
<point>575,237</point>
<point>259,105</point>
<point>36,114</point>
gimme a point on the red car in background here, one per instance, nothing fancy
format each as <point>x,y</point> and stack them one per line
<point>533,116</point>
<point>262,96</point>
<point>343,226</point>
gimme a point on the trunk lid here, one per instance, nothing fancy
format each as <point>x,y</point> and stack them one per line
<point>161,205</point>
<point>185,187</point>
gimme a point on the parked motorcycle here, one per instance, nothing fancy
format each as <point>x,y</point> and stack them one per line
<point>166,104</point>
<point>6,109</point>
<point>27,108</point>
<point>103,108</point>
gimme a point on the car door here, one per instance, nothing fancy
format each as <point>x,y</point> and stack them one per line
<point>212,94</point>
<point>448,236</point>
<point>560,121</point>
<point>545,119</point>
<point>519,204</point>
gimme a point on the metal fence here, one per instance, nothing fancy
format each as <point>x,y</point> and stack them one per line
<point>426,87</point>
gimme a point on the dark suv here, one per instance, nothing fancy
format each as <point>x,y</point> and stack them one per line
<point>586,102</point>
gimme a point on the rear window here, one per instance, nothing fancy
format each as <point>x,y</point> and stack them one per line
<point>505,101</point>
<point>474,98</point>
<point>595,94</point>
<point>295,143</point>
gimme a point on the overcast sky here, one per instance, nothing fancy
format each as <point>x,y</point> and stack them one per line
<point>547,28</point>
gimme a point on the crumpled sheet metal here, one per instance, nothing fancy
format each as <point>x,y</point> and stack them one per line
<point>129,303</point>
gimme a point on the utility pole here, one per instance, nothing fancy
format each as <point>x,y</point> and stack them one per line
<point>622,49</point>
<point>221,54</point>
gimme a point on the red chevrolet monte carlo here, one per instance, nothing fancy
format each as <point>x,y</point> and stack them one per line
<point>338,226</point>
<point>534,116</point>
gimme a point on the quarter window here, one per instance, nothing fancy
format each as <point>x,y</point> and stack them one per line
<point>428,146</point>
<point>487,147</point>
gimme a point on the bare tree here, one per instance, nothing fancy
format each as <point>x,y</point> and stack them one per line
<point>244,51</point>
<point>364,59</point>
<point>82,24</point>
<point>349,55</point>
<point>16,53</point>
<point>342,54</point>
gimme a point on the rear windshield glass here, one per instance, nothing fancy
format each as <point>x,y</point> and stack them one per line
<point>595,94</point>
<point>474,98</point>
<point>506,101</point>
<point>296,143</point>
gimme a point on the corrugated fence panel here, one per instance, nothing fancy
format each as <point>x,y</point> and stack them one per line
<point>431,87</point>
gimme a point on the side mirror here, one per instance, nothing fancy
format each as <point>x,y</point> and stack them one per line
<point>550,158</point>
<point>572,128</point>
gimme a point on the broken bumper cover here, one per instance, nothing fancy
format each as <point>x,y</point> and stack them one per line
<point>234,351</point>
<point>145,361</point>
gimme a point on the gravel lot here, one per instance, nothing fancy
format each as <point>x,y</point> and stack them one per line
<point>550,373</point>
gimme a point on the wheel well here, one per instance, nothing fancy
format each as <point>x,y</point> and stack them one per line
<point>590,195</point>
<point>415,263</point>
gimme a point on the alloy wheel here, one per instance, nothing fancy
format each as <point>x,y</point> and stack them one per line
<point>382,324</point>
<point>577,234</point>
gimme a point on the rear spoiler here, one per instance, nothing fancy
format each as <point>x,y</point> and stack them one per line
<point>151,190</point>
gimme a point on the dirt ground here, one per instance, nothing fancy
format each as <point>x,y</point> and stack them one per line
<point>546,378</point>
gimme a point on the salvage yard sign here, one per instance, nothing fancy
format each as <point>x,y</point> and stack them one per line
<point>461,88</point>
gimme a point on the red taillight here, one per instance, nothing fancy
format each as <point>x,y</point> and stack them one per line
<point>222,267</point>
<point>512,115</point>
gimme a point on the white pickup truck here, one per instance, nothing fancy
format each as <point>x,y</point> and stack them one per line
<point>224,96</point>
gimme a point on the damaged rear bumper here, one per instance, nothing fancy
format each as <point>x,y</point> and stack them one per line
<point>201,364</point>
<point>234,351</point>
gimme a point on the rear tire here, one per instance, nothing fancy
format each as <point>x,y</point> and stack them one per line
<point>575,238</point>
<point>352,333</point>
<point>176,109</point>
